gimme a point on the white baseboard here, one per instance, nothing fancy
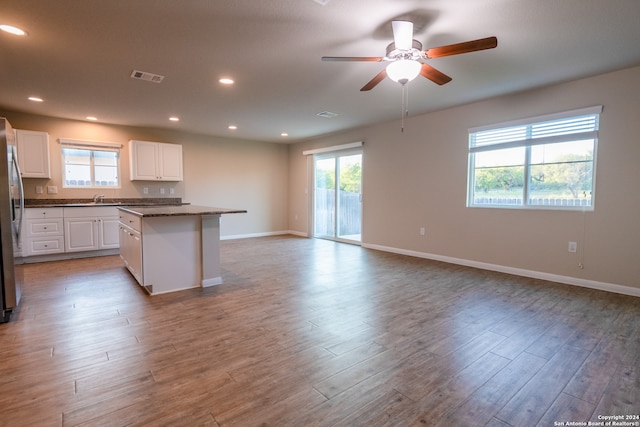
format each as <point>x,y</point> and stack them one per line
<point>592,284</point>
<point>214,281</point>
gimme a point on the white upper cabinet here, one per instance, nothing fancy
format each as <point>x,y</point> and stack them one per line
<point>170,160</point>
<point>155,161</point>
<point>33,153</point>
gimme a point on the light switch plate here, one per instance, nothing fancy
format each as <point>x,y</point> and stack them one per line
<point>52,189</point>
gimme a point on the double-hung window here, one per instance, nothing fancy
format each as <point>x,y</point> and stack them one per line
<point>543,162</point>
<point>89,164</point>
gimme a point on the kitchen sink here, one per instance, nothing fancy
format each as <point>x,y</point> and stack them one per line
<point>95,204</point>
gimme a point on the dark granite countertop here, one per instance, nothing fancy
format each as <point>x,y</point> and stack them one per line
<point>69,203</point>
<point>182,210</point>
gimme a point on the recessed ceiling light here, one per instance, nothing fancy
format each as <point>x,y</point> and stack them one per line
<point>91,118</point>
<point>226,81</point>
<point>174,119</point>
<point>284,134</point>
<point>233,127</point>
<point>13,30</point>
<point>35,99</point>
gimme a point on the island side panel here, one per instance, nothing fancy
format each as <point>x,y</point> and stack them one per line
<point>171,253</point>
<point>211,273</point>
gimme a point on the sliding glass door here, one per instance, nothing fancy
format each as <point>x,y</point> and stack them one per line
<point>338,196</point>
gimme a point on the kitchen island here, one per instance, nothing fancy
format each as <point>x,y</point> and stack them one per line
<point>171,248</point>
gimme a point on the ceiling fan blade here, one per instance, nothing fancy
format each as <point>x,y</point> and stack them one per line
<point>434,75</point>
<point>353,58</point>
<point>374,81</point>
<point>402,34</point>
<point>465,47</point>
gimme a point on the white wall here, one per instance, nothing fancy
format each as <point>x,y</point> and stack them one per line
<point>419,179</point>
<point>236,174</point>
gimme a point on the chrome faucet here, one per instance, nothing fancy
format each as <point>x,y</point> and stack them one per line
<point>98,198</point>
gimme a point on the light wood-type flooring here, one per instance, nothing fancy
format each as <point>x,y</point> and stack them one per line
<point>307,332</point>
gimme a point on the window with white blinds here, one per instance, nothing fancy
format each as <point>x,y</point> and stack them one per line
<point>542,162</point>
<point>90,164</point>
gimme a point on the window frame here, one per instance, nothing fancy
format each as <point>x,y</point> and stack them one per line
<point>527,142</point>
<point>91,146</point>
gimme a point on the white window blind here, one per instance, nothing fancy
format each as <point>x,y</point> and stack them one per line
<point>540,162</point>
<point>545,130</point>
<point>90,164</point>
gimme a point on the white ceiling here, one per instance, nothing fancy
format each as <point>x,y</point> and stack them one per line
<point>79,54</point>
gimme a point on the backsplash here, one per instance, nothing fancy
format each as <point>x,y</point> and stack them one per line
<point>127,201</point>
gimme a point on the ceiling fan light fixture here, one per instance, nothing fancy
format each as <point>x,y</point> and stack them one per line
<point>403,70</point>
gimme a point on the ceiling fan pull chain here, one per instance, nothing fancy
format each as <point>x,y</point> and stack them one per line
<point>405,105</point>
<point>402,111</point>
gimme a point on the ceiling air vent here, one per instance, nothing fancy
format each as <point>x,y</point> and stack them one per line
<point>149,77</point>
<point>322,2</point>
<point>327,114</point>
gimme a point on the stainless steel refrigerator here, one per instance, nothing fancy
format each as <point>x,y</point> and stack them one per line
<point>11,211</point>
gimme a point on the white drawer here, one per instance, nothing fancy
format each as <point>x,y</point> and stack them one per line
<point>130,220</point>
<point>43,227</point>
<point>44,245</point>
<point>42,213</point>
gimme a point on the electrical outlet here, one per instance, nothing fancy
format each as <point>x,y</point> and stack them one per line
<point>423,232</point>
<point>39,189</point>
<point>573,247</point>
<point>145,190</point>
<point>172,190</point>
<point>162,190</point>
<point>52,189</point>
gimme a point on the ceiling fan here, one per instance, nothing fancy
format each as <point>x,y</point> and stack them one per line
<point>406,57</point>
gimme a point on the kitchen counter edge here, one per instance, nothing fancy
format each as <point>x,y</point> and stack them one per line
<point>179,210</point>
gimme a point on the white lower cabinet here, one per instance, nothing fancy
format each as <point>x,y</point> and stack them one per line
<point>131,244</point>
<point>69,229</point>
<point>43,231</point>
<point>90,228</point>
<point>80,234</point>
<point>108,232</point>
